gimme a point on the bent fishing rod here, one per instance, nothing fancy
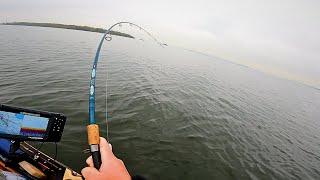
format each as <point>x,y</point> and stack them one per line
<point>92,128</point>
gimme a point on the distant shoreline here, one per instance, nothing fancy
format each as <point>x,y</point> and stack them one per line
<point>66,26</point>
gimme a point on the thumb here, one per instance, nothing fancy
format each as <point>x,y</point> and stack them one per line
<point>90,173</point>
<point>105,150</point>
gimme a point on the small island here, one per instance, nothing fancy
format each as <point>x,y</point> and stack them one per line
<point>66,26</point>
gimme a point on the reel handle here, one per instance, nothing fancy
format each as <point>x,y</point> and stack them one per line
<point>94,141</point>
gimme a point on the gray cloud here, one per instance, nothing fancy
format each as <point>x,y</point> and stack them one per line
<point>279,37</point>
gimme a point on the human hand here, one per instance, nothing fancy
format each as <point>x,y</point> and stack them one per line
<point>111,168</point>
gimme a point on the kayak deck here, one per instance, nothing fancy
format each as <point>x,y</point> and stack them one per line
<point>30,163</point>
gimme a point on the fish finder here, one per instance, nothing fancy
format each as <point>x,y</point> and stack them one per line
<point>22,124</point>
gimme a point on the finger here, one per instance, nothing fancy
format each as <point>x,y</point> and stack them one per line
<point>89,161</point>
<point>105,150</point>
<point>89,172</point>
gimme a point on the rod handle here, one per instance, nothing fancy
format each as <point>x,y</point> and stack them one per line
<point>94,141</point>
<point>96,157</point>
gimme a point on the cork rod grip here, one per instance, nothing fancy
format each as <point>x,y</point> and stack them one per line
<point>93,134</point>
<point>94,141</point>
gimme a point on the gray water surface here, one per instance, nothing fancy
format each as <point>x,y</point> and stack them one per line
<point>173,114</point>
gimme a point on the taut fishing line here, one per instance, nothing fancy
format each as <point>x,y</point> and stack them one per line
<point>93,128</point>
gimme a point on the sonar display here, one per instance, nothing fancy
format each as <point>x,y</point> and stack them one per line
<point>22,124</point>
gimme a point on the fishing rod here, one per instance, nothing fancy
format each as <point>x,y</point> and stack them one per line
<point>93,129</point>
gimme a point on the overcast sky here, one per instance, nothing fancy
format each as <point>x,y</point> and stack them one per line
<point>281,37</point>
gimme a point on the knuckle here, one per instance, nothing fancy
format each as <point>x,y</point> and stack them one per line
<point>120,161</point>
<point>84,172</point>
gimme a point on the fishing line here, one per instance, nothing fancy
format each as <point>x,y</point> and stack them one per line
<point>93,128</point>
<point>56,149</point>
<point>106,115</point>
<point>40,146</point>
<point>107,36</point>
<point>56,152</point>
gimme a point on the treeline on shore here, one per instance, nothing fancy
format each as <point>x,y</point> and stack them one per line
<point>66,26</point>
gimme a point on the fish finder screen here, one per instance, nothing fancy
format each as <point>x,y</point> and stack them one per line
<point>23,124</point>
